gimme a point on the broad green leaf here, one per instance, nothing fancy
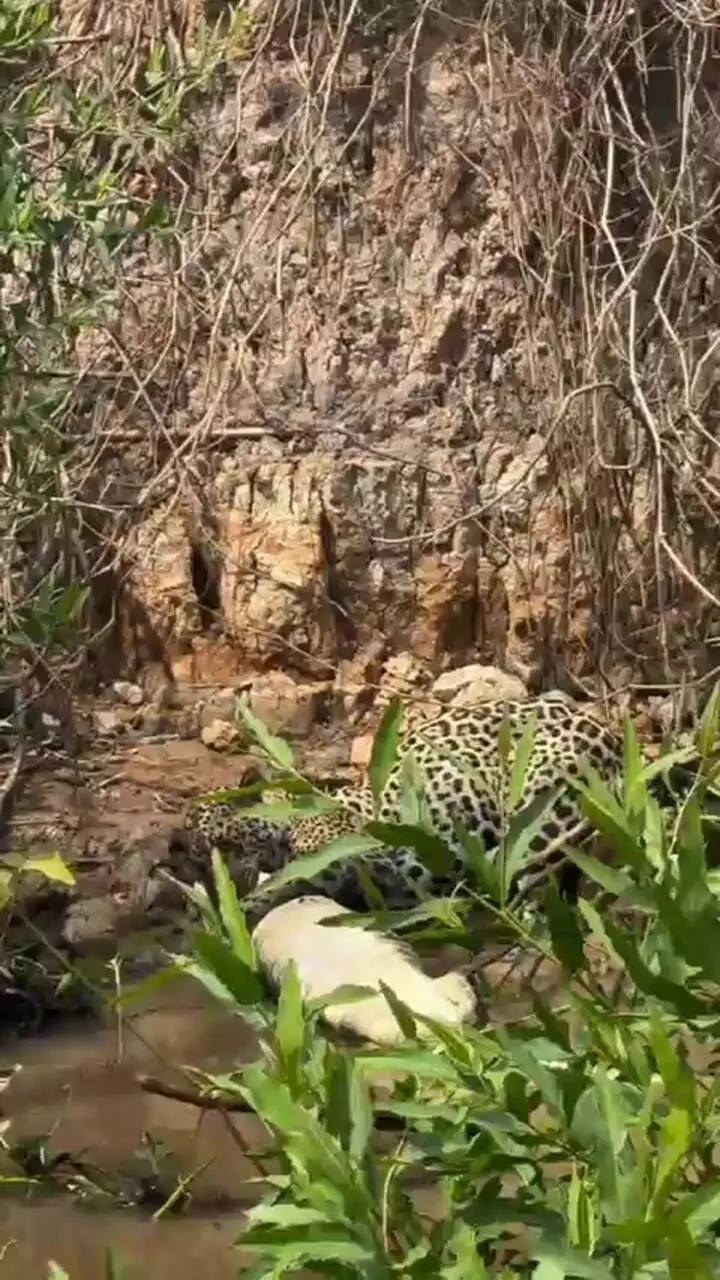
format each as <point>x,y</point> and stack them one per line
<point>559,1262</point>
<point>237,977</point>
<point>523,753</point>
<point>420,1062</point>
<point>50,865</point>
<point>525,824</point>
<point>684,1258</point>
<point>361,1112</point>
<point>403,1016</point>
<point>565,933</point>
<point>346,994</point>
<point>115,1268</point>
<point>341,850</point>
<point>320,1152</point>
<point>699,1208</point>
<point>141,990</point>
<point>707,738</point>
<point>276,749</point>
<point>527,1061</point>
<point>600,807</point>
<point>290,1027</point>
<point>285,1215</point>
<point>432,851</point>
<point>609,878</point>
<point>674,1142</point>
<point>480,863</point>
<point>582,1227</point>
<point>292,783</point>
<point>678,1079</point>
<point>505,739</point>
<point>626,951</point>
<point>342,1249</point>
<point>667,761</point>
<point>634,785</point>
<point>6,886</point>
<point>385,747</point>
<point>231,913</point>
<point>412,805</point>
<point>467,1265</point>
<point>601,1121</point>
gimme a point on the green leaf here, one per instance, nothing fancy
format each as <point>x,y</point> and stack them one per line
<point>481,864</point>
<point>341,1249</point>
<point>412,805</point>
<point>527,1061</point>
<point>341,850</point>
<point>51,866</point>
<point>626,951</point>
<point>555,1262</point>
<point>634,784</point>
<point>115,1268</point>
<point>231,913</point>
<point>700,1209</point>
<point>707,737</point>
<point>237,977</point>
<point>285,1215</point>
<point>276,749</point>
<point>600,807</point>
<point>674,1142</point>
<point>609,878</point>
<point>402,1014</point>
<point>684,1258</point>
<point>361,1112</point>
<point>524,826</point>
<point>565,933</point>
<point>523,752</point>
<point>420,1062</point>
<point>467,1265</point>
<point>432,851</point>
<point>290,1027</point>
<point>582,1227</point>
<point>385,748</point>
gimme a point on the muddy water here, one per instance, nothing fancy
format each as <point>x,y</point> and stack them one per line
<point>80,1087</point>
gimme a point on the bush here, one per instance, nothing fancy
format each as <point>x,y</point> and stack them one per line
<point>578,1141</point>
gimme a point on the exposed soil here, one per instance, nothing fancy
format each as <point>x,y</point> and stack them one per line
<point>108,814</point>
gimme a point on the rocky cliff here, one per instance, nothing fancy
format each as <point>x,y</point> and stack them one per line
<point>360,409</point>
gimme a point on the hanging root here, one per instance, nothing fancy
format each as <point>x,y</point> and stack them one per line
<point>337,956</point>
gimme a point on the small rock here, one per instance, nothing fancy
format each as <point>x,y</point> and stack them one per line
<point>91,921</point>
<point>361,750</point>
<point>219,735</point>
<point>286,707</point>
<point>129,693</point>
<point>402,675</point>
<point>476,683</point>
<point>221,706</point>
<point>108,722</point>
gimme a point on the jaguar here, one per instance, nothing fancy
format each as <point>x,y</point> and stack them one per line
<point>464,776</point>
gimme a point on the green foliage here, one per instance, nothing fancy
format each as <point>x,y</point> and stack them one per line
<point>89,150</point>
<point>578,1141</point>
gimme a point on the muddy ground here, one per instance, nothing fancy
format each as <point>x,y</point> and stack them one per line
<point>108,813</point>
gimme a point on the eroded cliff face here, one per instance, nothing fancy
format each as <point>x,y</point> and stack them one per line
<point>368,448</point>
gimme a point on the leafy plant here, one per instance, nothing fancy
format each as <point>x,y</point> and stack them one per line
<point>576,1141</point>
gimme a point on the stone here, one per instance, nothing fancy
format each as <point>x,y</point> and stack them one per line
<point>220,735</point>
<point>221,706</point>
<point>286,706</point>
<point>464,686</point>
<point>129,693</point>
<point>108,722</point>
<point>361,750</point>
